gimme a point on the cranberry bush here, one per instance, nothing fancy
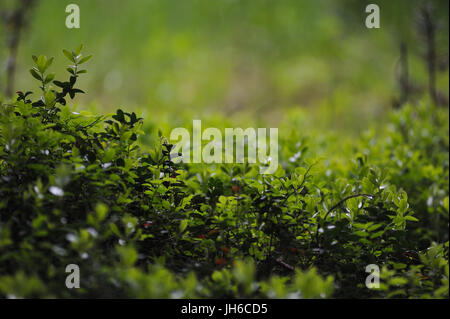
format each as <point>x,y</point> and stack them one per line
<point>77,188</point>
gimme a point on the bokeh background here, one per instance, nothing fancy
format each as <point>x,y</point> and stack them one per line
<point>243,60</point>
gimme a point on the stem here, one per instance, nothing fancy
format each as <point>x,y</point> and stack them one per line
<point>370,196</point>
<point>428,30</point>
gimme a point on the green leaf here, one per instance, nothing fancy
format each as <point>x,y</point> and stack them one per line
<point>217,276</point>
<point>49,78</point>
<point>446,203</point>
<point>114,229</point>
<point>398,281</point>
<point>41,63</point>
<point>85,59</point>
<point>128,255</point>
<point>411,218</point>
<point>35,74</point>
<point>280,172</point>
<point>78,50</point>
<point>374,227</point>
<point>109,155</point>
<point>183,225</point>
<point>367,185</point>
<point>49,63</point>
<point>361,233</point>
<point>49,98</point>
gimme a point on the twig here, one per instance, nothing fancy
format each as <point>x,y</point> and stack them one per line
<point>339,204</point>
<point>278,260</point>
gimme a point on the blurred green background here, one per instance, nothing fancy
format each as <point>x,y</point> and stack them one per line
<point>245,60</point>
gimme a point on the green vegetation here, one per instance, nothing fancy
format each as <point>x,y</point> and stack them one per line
<point>77,188</point>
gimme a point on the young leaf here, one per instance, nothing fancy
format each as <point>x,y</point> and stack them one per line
<point>41,63</point>
<point>49,98</point>
<point>49,63</point>
<point>183,225</point>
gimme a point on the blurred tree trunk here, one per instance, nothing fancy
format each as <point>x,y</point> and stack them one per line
<point>15,21</point>
<point>403,77</point>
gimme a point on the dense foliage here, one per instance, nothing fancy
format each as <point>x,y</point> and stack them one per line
<point>77,188</point>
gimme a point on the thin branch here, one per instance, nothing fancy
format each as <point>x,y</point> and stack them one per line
<point>16,21</point>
